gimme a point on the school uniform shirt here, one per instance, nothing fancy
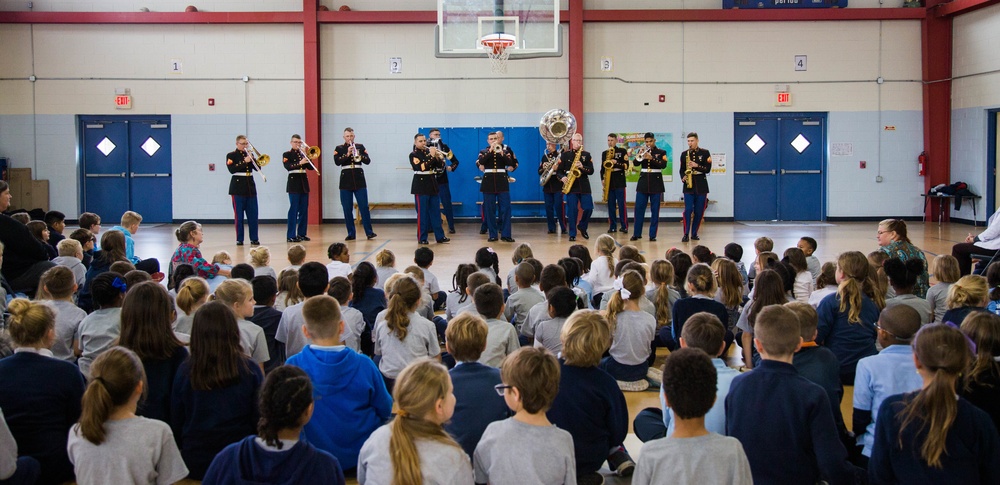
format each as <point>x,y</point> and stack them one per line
<point>985,392</point>
<point>501,341</point>
<point>519,303</point>
<point>850,342</point>
<point>253,341</point>
<point>957,315</point>
<point>452,161</point>
<point>880,376</point>
<point>454,304</point>
<point>921,305</point>
<point>819,366</point>
<point>803,286</point>
<point>715,418</point>
<point>370,303</point>
<point>582,183</point>
<point>251,461</point>
<point>600,275</point>
<point>817,296</point>
<point>496,182</point>
<point>686,307</point>
<point>488,271</point>
<point>651,182</point>
<point>183,323</point>
<point>8,450</point>
<point>135,450</point>
<point>384,272</point>
<point>40,397</point>
<point>937,296</point>
<point>619,164</point>
<point>476,403</point>
<point>68,318</point>
<point>298,179</point>
<point>515,452</point>
<point>421,341</point>
<point>711,458</point>
<point>554,185</point>
<point>634,332</point>
<point>440,463</point>
<point>424,182</point>
<point>547,335</point>
<point>536,316</point>
<point>96,333</point>
<point>338,268</point>
<point>265,271</point>
<point>973,448</point>
<point>815,266</point>
<point>205,422</point>
<point>160,375</point>
<point>241,183</point>
<point>290,329</point>
<point>354,325</point>
<point>267,318</point>
<point>75,265</point>
<point>351,400</point>
<point>430,282</point>
<point>700,165</point>
<point>352,176</point>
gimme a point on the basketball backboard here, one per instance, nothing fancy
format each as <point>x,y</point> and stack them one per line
<point>462,24</point>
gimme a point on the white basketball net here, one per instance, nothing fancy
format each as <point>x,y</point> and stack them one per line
<point>498,54</point>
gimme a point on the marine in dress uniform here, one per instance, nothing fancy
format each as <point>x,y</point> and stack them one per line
<point>298,190</point>
<point>495,162</point>
<point>579,191</point>
<point>444,190</point>
<point>552,190</point>
<point>617,214</point>
<point>243,190</point>
<point>649,189</point>
<point>351,157</point>
<point>425,190</point>
<point>699,160</point>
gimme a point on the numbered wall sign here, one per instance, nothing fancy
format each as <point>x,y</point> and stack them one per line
<point>395,65</point>
<point>607,64</point>
<point>176,66</point>
<point>801,63</point>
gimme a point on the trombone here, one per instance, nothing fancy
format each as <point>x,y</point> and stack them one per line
<point>311,153</point>
<point>258,160</point>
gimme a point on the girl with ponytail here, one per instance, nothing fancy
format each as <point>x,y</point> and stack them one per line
<point>111,444</point>
<point>193,293</point>
<point>414,448</point>
<point>902,277</point>
<point>930,436</point>
<point>847,318</point>
<point>602,268</point>
<point>489,263</point>
<point>276,454</point>
<point>700,287</point>
<point>459,297</point>
<point>632,332</point>
<point>401,335</point>
<point>730,292</point>
<point>237,294</point>
<point>981,381</point>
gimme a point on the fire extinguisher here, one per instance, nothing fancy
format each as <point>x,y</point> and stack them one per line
<point>922,164</point>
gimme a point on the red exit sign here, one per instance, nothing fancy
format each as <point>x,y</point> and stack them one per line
<point>123,101</point>
<point>783,99</point>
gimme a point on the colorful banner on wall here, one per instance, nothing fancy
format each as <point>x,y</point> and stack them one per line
<point>632,141</point>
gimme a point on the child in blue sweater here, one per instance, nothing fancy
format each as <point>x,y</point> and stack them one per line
<point>277,454</point>
<point>352,400</point>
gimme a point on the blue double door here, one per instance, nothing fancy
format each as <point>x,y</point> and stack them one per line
<point>779,164</point>
<point>126,166</point>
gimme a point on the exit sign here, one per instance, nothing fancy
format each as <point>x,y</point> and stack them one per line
<point>783,99</point>
<point>123,101</point>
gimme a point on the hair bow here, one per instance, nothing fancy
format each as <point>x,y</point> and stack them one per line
<point>490,250</point>
<point>119,284</point>
<point>620,287</point>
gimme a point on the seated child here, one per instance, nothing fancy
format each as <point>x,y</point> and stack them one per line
<point>354,321</point>
<point>426,308</point>
<point>526,448</point>
<point>519,302</point>
<point>808,246</point>
<point>562,304</point>
<point>401,335</point>
<point>97,332</point>
<point>60,286</point>
<point>632,333</point>
<point>476,404</point>
<point>826,284</point>
<point>458,297</point>
<point>193,293</point>
<point>795,441</point>
<point>803,284</point>
<point>967,295</point>
<point>691,454</point>
<point>553,276</point>
<point>598,429</point>
<point>55,221</point>
<point>760,245</point>
<point>296,257</point>
<point>520,254</point>
<point>276,454</point>
<point>22,217</point>
<point>423,257</point>
<point>265,290</point>
<point>944,268</point>
<point>130,226</point>
<point>502,338</point>
<point>242,271</point>
<point>340,260</point>
<point>385,266</point>
<point>237,294</point>
<point>352,398</point>
<point>40,231</point>
<point>87,241</point>
<point>260,259</point>
<point>313,280</point>
<point>288,290</point>
<point>734,253</point>
<point>981,383</point>
<point>903,277</point>
<point>71,256</point>
<point>225,262</point>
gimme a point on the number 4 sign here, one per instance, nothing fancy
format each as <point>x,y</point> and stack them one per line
<point>800,63</point>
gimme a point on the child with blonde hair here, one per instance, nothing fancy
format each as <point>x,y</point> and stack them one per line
<point>237,295</point>
<point>730,289</point>
<point>944,268</point>
<point>476,404</point>
<point>969,294</point>
<point>193,293</point>
<point>602,270</point>
<point>632,332</point>
<point>700,286</point>
<point>521,253</point>
<point>111,444</point>
<point>289,293</point>
<point>385,266</point>
<point>260,259</point>
<point>224,261</point>
<point>401,334</point>
<point>71,256</point>
<point>414,447</point>
<point>58,283</point>
<point>296,257</point>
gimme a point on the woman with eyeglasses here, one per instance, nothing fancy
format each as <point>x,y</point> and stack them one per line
<point>892,239</point>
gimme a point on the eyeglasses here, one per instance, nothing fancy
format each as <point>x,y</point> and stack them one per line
<point>500,387</point>
<point>881,232</point>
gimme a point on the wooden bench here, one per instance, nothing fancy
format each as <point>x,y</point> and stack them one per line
<point>394,206</point>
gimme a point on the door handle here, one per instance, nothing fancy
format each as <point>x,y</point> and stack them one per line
<point>800,172</point>
<point>756,172</point>
<point>137,175</point>
<point>107,175</point>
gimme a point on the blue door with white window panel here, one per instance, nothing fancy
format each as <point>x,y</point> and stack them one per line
<point>126,166</point>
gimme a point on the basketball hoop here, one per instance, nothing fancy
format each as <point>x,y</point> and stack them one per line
<point>498,50</point>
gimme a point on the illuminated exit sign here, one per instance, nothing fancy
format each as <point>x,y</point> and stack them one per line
<point>123,101</point>
<point>783,99</point>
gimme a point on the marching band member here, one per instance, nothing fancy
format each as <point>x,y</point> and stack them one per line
<point>616,194</point>
<point>444,190</point>
<point>552,190</point>
<point>297,187</point>
<point>425,190</point>
<point>699,162</point>
<point>577,160</point>
<point>243,189</point>
<point>351,157</point>
<point>495,162</point>
<point>649,190</point>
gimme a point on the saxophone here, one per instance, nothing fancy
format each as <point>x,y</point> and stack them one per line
<point>549,168</point>
<point>688,173</point>
<point>573,173</point>
<point>609,164</point>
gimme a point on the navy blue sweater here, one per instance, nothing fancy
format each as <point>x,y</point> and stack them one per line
<point>160,375</point>
<point>268,318</point>
<point>972,448</point>
<point>786,427</point>
<point>850,342</point>
<point>370,304</point>
<point>40,397</point>
<point>205,422</point>
<point>592,408</point>
<point>476,403</point>
<point>246,463</point>
<point>685,307</point>
<point>820,366</point>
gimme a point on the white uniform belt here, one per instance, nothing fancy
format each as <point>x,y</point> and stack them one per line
<point>348,167</point>
<point>297,171</point>
<point>651,170</point>
<point>248,174</point>
<point>616,170</point>
<point>495,170</point>
<point>423,173</point>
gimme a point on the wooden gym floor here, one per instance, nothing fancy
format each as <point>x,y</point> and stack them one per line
<point>158,241</point>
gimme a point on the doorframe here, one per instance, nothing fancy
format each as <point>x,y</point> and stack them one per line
<point>778,115</point>
<point>81,172</point>
<point>991,160</point>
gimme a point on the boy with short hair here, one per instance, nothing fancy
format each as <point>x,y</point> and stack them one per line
<point>734,253</point>
<point>354,321</point>
<point>61,286</point>
<point>56,222</point>
<point>553,276</point>
<point>760,245</point>
<point>424,258</point>
<point>501,340</point>
<point>265,291</point>
<point>519,302</point>
<point>887,373</point>
<point>784,421</point>
<point>313,281</point>
<point>87,241</point>
<point>562,304</point>
<point>599,427</point>
<point>296,256</point>
<point>130,226</point>
<point>71,256</point>
<point>242,271</point>
<point>526,448</point>
<point>90,222</point>
<point>476,402</point>
<point>691,454</point>
<point>351,399</point>
<point>808,246</point>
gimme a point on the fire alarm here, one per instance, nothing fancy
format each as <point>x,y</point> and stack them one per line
<point>211,101</point>
<point>663,98</point>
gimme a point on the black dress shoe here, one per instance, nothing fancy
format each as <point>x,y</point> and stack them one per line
<point>634,238</point>
<point>492,239</point>
<point>292,240</point>
<point>255,243</point>
<point>372,235</point>
<point>304,238</point>
<point>239,243</point>
<point>572,238</point>
<point>444,240</point>
<point>507,239</point>
<point>482,231</point>
<point>584,234</point>
<point>612,230</point>
<point>652,239</point>
<point>685,238</point>
<point>552,232</point>
<point>623,229</point>
<point>424,241</point>
<point>451,230</point>
<point>350,238</point>
<point>696,238</point>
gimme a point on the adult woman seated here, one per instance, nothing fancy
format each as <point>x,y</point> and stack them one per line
<point>987,243</point>
<point>190,236</point>
<point>24,257</point>
<point>893,240</point>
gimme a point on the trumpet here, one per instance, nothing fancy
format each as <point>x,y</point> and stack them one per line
<point>258,160</point>
<point>497,148</point>
<point>311,153</point>
<point>640,153</point>
<point>357,156</point>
